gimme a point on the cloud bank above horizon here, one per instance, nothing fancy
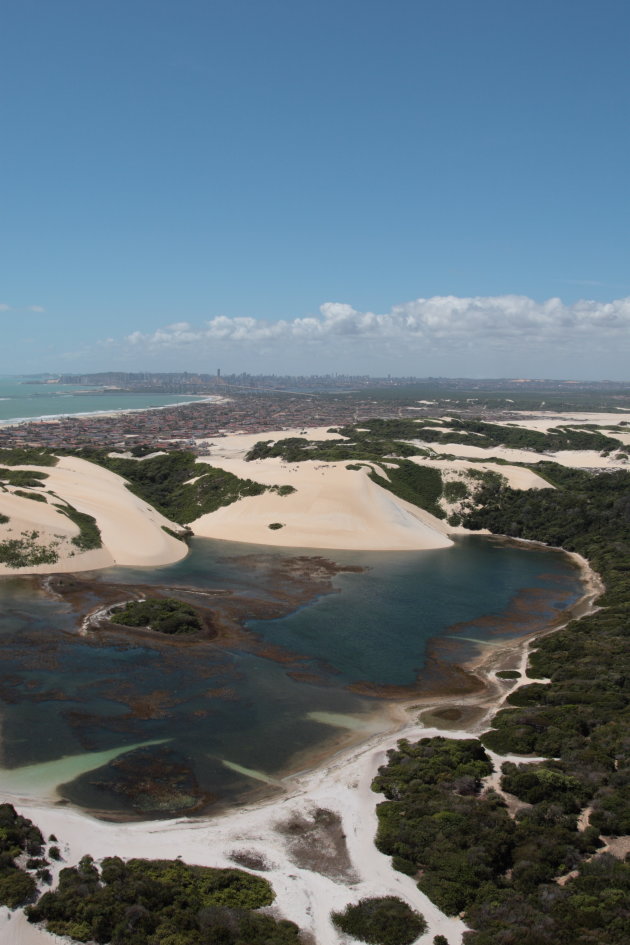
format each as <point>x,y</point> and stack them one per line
<point>503,331</point>
<point>442,318</point>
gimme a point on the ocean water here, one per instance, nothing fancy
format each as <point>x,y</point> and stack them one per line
<point>21,401</point>
<point>128,729</point>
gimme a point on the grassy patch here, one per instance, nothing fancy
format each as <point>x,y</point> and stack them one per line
<point>37,496</point>
<point>24,552</point>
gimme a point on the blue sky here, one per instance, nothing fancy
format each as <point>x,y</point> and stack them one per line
<point>288,185</point>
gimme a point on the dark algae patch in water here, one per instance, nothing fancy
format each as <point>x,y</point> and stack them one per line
<point>294,656</point>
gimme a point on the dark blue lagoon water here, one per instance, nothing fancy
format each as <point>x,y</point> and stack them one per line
<point>130,725</point>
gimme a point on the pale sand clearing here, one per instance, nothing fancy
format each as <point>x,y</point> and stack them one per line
<point>131,530</point>
<point>544,420</point>
<point>517,477</point>
<point>577,459</point>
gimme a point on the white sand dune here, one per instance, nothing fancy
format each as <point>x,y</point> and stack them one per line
<point>131,530</point>
<point>332,507</point>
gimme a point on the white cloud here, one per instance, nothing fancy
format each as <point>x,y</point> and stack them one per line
<point>439,323</point>
<point>4,307</point>
<point>35,308</point>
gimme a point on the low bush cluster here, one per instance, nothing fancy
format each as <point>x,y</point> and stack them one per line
<point>162,614</point>
<point>384,920</point>
<point>146,902</point>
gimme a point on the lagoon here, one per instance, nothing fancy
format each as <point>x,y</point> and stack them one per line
<point>129,728</point>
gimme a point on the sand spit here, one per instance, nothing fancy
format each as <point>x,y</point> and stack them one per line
<point>131,530</point>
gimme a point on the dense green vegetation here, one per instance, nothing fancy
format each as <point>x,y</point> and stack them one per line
<point>467,852</point>
<point>360,445</point>
<point>27,456</point>
<point>455,490</point>
<point>17,836</point>
<point>462,846</point>
<point>146,902</point>
<point>419,485</point>
<point>162,614</point>
<point>386,920</point>
<point>481,433</point>
<point>165,483</point>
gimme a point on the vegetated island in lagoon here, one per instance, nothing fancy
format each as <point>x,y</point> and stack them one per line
<point>600,501</point>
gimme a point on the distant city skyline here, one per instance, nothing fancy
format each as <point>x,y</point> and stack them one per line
<point>356,186</point>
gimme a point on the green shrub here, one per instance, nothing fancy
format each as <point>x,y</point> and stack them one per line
<point>16,888</point>
<point>381,921</point>
<point>23,552</point>
<point>454,490</point>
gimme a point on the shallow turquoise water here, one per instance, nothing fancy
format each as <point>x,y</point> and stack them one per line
<point>66,696</point>
<point>19,401</point>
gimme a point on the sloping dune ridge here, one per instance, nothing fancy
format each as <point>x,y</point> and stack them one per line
<point>131,530</point>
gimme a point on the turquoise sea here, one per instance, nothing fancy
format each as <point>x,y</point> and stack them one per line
<point>112,722</point>
<point>23,401</point>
